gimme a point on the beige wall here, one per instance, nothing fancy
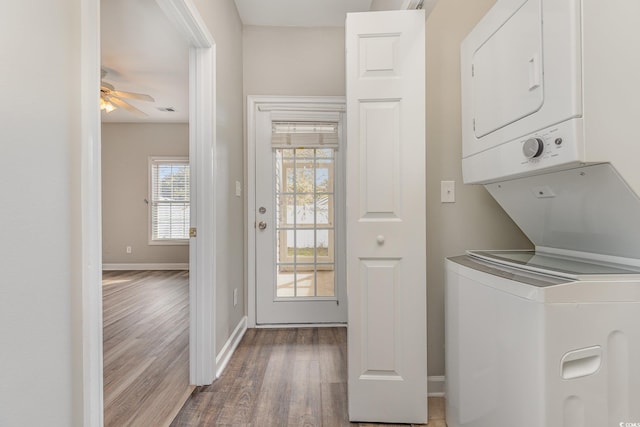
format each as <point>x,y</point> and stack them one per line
<point>475,221</point>
<point>224,23</point>
<point>126,148</point>
<point>293,61</point>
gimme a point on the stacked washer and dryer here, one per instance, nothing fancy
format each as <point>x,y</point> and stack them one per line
<point>551,127</point>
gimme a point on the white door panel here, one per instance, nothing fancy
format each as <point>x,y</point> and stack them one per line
<point>507,72</point>
<point>386,273</point>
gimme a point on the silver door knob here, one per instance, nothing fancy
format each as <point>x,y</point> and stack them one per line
<point>262,225</point>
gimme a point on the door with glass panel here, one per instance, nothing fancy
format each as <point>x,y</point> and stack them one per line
<point>299,232</point>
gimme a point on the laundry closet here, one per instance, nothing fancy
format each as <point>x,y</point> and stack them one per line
<point>548,337</point>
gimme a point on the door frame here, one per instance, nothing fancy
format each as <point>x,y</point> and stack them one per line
<point>202,143</point>
<point>273,103</point>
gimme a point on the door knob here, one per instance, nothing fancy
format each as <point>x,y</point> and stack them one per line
<point>380,239</point>
<point>262,225</point>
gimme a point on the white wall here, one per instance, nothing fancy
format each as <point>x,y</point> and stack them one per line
<point>126,148</point>
<point>224,24</point>
<point>475,221</point>
<point>39,139</point>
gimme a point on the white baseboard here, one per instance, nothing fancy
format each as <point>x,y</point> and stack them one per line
<point>299,325</point>
<point>435,386</point>
<point>222,359</point>
<point>147,266</point>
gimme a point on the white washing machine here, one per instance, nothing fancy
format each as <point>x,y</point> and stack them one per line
<point>550,338</point>
<point>541,340</point>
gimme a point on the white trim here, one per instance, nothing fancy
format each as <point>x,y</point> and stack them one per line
<point>436,385</point>
<point>91,215</point>
<point>184,15</point>
<point>270,103</point>
<point>250,203</point>
<point>300,325</point>
<point>168,242</point>
<point>222,359</point>
<point>146,266</point>
<point>301,107</point>
<point>202,156</point>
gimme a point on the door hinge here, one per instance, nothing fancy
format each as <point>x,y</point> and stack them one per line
<point>473,71</point>
<point>193,231</point>
<point>474,125</point>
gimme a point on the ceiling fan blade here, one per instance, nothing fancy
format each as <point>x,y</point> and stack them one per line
<point>132,95</point>
<point>126,106</point>
<point>104,86</point>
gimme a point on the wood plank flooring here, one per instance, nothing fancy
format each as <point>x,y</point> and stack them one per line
<point>282,377</point>
<point>146,340</point>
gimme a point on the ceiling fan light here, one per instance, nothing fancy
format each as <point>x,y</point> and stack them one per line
<point>106,106</point>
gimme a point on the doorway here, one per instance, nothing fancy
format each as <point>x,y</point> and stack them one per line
<point>202,136</point>
<point>297,189</point>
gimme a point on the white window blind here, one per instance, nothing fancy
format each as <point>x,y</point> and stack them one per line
<point>170,204</point>
<point>304,134</point>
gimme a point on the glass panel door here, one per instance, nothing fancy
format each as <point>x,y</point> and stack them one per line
<point>305,226</point>
<point>299,216</point>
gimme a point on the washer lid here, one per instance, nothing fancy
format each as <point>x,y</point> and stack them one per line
<point>573,269</point>
<point>586,209</point>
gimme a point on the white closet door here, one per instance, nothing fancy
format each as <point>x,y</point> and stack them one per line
<point>386,255</point>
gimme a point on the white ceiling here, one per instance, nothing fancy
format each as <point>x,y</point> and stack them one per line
<point>142,51</point>
<point>299,13</point>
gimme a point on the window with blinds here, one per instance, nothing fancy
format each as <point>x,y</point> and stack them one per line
<point>169,200</point>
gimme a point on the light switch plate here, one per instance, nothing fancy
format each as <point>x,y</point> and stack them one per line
<point>447,191</point>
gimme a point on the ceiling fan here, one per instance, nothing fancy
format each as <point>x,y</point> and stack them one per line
<point>110,99</point>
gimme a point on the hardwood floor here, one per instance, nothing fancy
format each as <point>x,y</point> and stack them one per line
<point>146,340</point>
<point>282,377</point>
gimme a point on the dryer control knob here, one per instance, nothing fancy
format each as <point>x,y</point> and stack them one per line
<point>532,148</point>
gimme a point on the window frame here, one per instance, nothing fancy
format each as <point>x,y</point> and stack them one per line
<point>153,160</point>
<point>290,164</point>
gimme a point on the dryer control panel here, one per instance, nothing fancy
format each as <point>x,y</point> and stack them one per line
<point>557,147</point>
